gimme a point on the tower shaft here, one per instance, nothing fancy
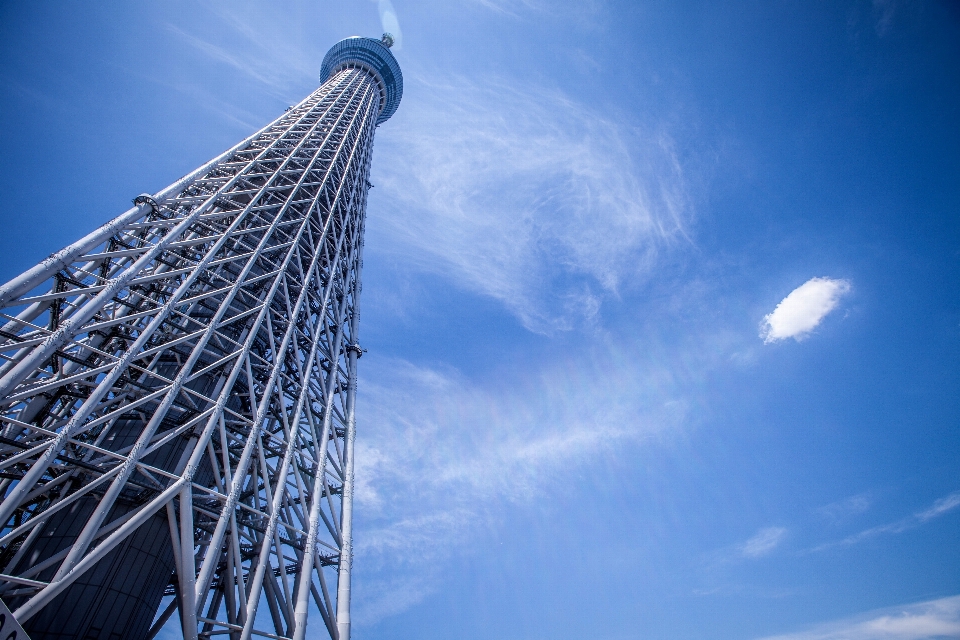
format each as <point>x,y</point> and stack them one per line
<point>177,392</point>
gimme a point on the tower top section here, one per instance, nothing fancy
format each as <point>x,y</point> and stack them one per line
<point>375,57</point>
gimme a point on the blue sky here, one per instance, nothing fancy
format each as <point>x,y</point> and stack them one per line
<point>661,298</point>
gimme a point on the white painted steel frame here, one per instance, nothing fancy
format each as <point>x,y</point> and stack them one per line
<point>223,311</point>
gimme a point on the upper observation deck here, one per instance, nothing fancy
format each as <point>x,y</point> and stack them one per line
<point>375,57</point>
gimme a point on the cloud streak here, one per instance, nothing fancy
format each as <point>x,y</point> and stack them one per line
<point>932,620</point>
<point>763,543</point>
<point>439,456</point>
<point>801,312</point>
<point>527,196</point>
<point>518,193</point>
<point>939,508</point>
<point>517,8</point>
<point>837,512</point>
<point>264,53</point>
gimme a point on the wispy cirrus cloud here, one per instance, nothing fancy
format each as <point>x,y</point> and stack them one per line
<point>837,512</point>
<point>439,455</point>
<point>527,196</point>
<point>932,620</point>
<point>431,429</point>
<point>232,58</point>
<point>516,8</point>
<point>263,50</point>
<point>803,309</point>
<point>939,508</point>
<point>513,191</point>
<point>763,542</point>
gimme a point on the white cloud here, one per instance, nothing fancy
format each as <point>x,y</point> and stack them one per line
<point>837,512</point>
<point>940,507</point>
<point>438,456</point>
<point>764,542</point>
<point>933,620</point>
<point>261,47</point>
<point>518,8</point>
<point>512,191</point>
<point>524,195</point>
<point>800,312</point>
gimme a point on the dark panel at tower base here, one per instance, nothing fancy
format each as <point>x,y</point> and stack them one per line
<point>118,598</point>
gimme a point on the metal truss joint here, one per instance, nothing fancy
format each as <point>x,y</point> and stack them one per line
<point>355,347</point>
<point>146,198</point>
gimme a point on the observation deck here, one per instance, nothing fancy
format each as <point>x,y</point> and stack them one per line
<point>373,56</point>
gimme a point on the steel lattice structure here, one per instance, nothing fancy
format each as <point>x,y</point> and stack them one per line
<point>177,389</point>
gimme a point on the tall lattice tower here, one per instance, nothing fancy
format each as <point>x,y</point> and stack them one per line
<point>177,390</point>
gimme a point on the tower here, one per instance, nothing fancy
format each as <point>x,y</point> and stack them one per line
<point>177,390</point>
